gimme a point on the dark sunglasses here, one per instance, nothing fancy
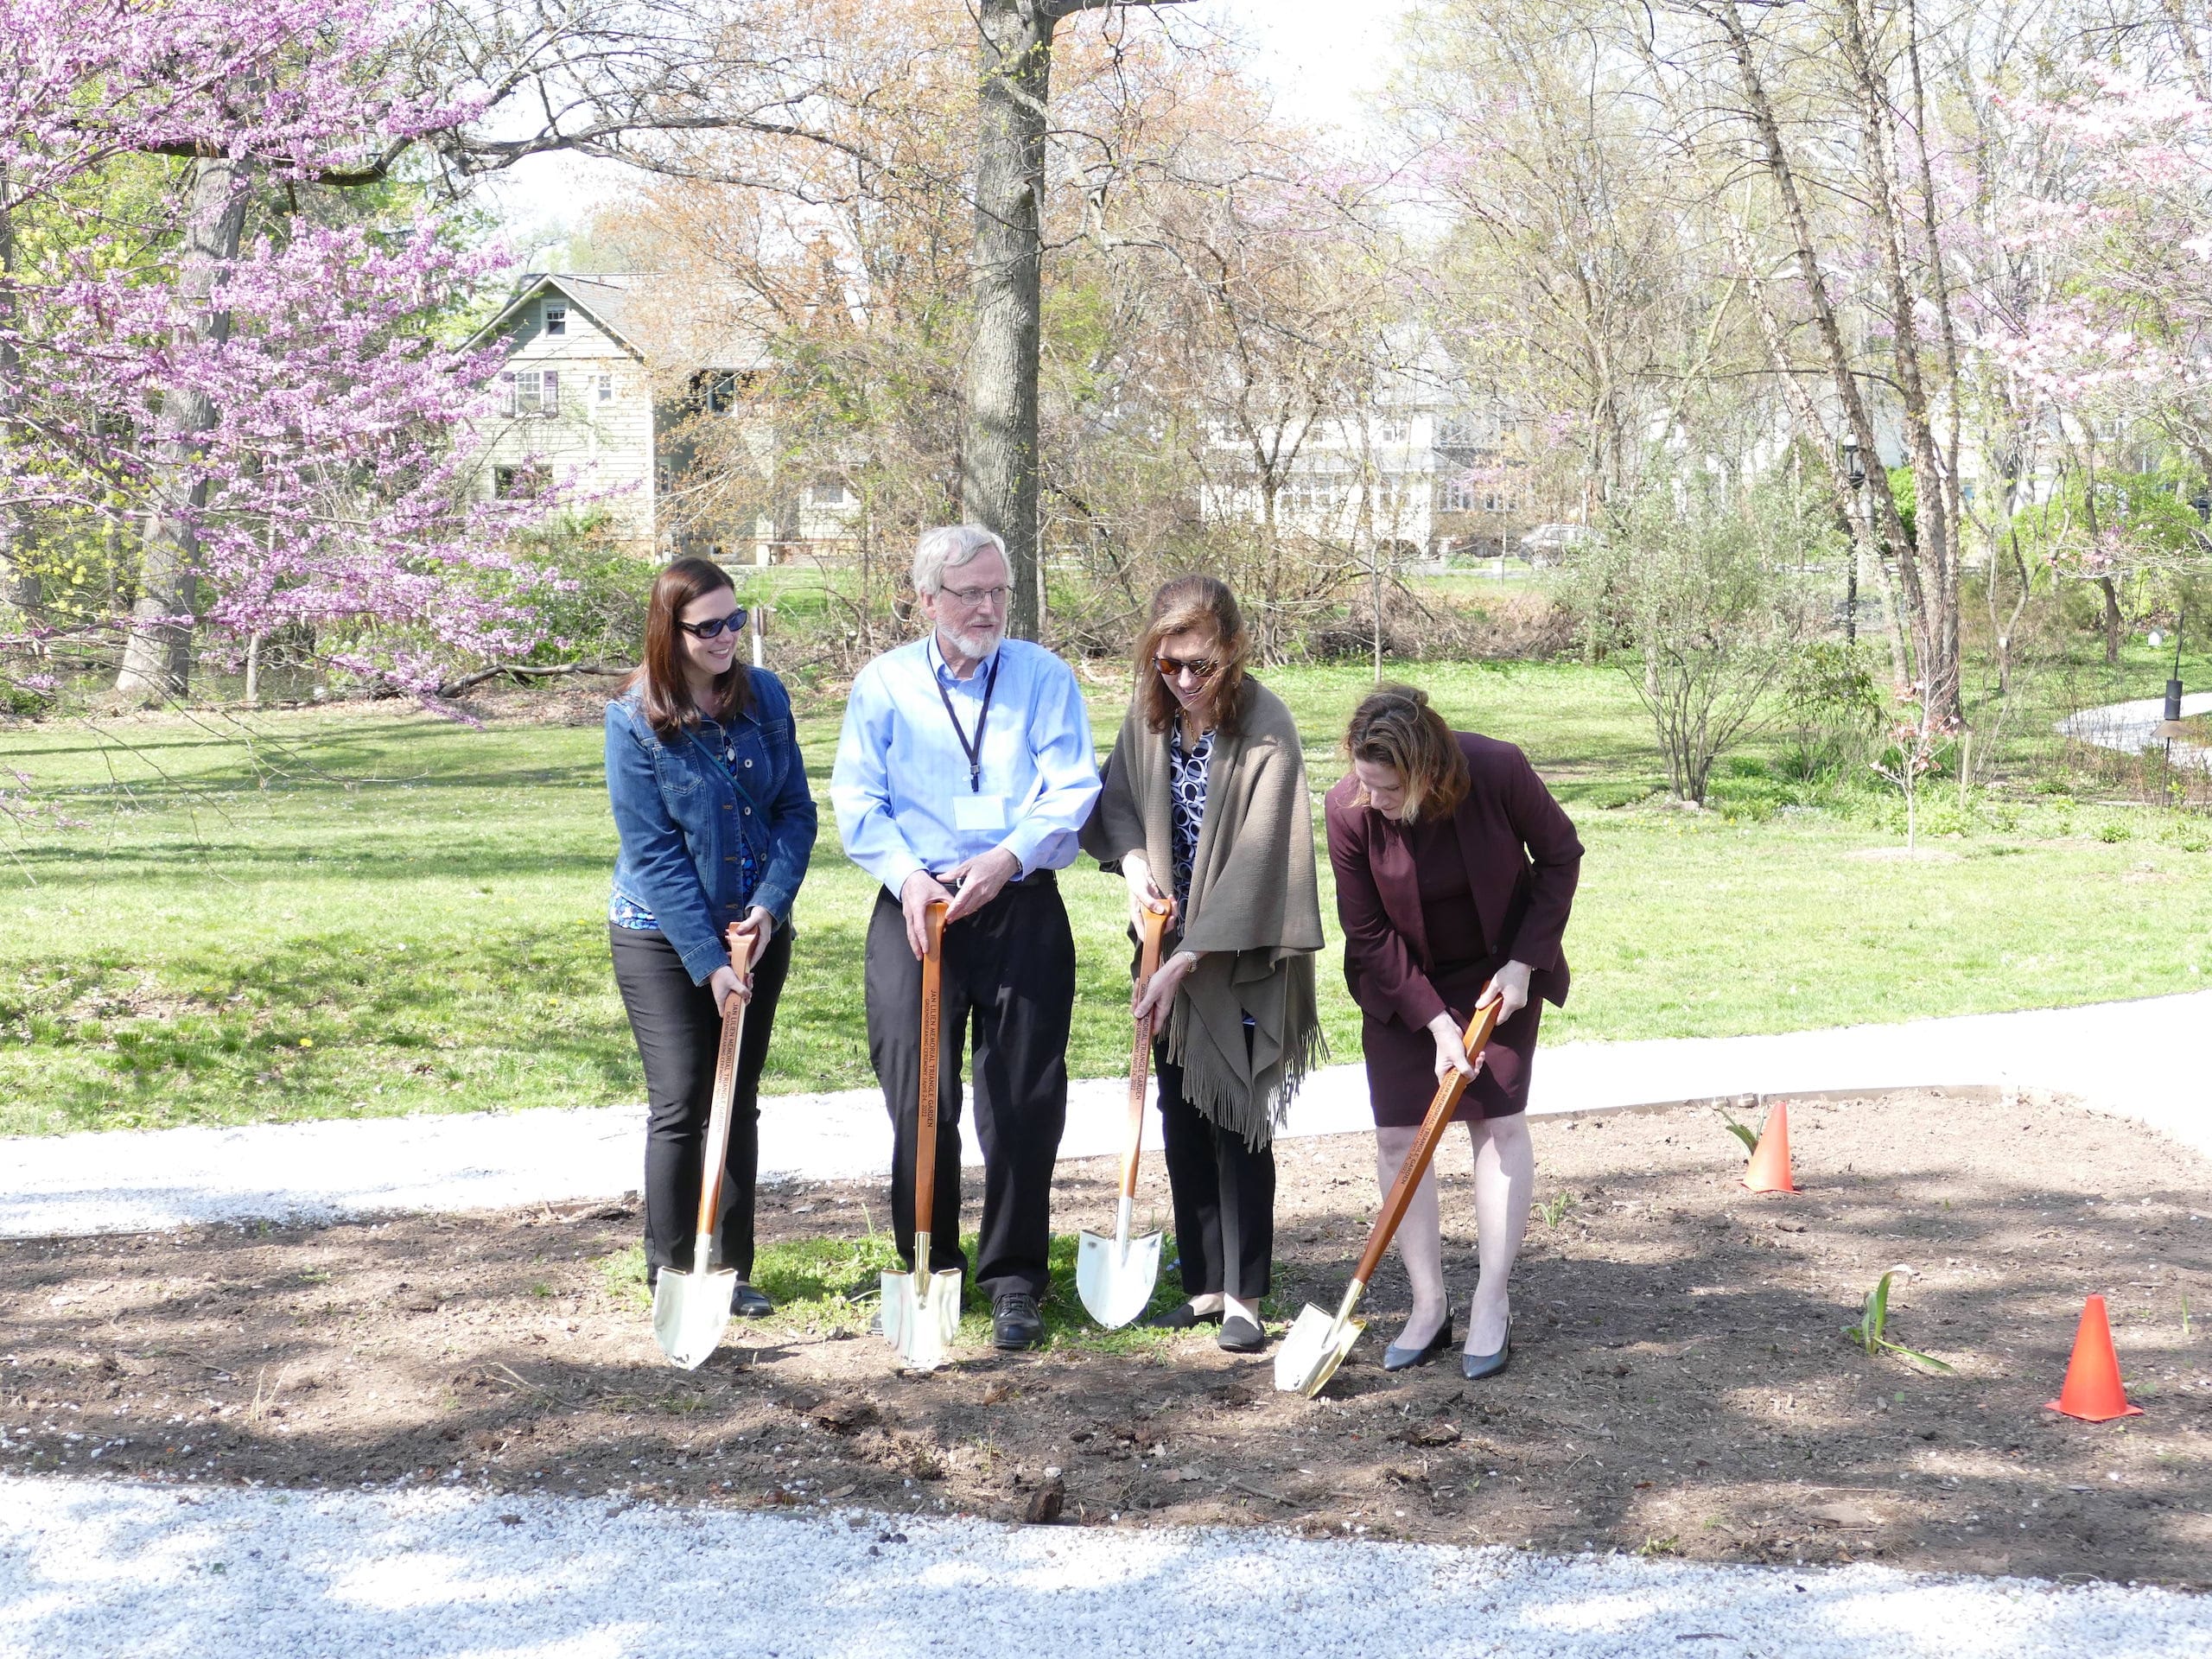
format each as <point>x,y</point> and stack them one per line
<point>1169,667</point>
<point>734,623</point>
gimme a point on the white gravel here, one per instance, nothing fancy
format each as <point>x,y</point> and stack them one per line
<point>93,1568</point>
<point>2133,1058</point>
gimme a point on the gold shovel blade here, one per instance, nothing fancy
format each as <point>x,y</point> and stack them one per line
<point>921,1328</point>
<point>691,1312</point>
<point>1116,1283</point>
<point>1313,1348</point>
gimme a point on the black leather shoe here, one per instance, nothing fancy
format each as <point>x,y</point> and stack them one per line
<point>1395,1358</point>
<point>1014,1322</point>
<point>1181,1317</point>
<point>750,1304</point>
<point>1241,1336</point>
<point>1475,1367</point>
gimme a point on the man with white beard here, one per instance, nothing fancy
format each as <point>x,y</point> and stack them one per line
<point>963,775</point>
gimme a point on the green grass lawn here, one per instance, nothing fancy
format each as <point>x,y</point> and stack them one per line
<point>368,910</point>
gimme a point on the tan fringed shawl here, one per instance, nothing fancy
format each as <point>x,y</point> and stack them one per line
<point>1255,913</point>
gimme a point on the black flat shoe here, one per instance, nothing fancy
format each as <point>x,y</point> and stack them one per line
<point>1241,1336</point>
<point>1015,1324</point>
<point>1475,1367</point>
<point>1395,1358</point>
<point>750,1304</point>
<point>1181,1317</point>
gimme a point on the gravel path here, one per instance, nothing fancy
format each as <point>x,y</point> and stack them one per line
<point>95,1568</point>
<point>2124,1057</point>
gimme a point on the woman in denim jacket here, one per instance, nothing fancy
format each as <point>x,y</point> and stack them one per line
<point>717,824</point>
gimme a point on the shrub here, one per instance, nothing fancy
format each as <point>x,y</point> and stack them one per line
<point>1698,594</point>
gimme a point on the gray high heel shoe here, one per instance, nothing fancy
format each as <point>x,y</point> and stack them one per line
<point>1395,1358</point>
<point>1475,1367</point>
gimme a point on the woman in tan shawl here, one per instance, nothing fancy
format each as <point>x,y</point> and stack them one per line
<point>1205,811</point>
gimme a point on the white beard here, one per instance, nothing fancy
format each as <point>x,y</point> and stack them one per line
<point>975,646</point>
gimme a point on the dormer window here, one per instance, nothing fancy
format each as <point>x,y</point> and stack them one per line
<point>556,318</point>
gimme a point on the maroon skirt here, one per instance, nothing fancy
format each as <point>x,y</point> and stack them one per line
<point>1401,1061</point>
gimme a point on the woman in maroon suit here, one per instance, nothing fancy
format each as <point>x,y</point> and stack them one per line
<point>1455,872</point>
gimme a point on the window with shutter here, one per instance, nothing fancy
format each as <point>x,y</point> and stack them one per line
<point>550,405</point>
<point>606,388</point>
<point>507,392</point>
<point>556,319</point>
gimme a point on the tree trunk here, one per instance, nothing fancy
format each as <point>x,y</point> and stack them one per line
<point>157,656</point>
<point>1926,561</point>
<point>1888,523</point>
<point>998,473</point>
<point>2110,589</point>
<point>23,581</point>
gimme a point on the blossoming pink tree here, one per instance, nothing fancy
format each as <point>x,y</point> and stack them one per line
<point>245,374</point>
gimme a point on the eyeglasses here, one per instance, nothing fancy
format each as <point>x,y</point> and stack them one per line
<point>972,597</point>
<point>734,623</point>
<point>1174,667</point>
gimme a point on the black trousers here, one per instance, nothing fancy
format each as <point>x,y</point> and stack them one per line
<point>678,1031</point>
<point>1224,1196</point>
<point>1009,992</point>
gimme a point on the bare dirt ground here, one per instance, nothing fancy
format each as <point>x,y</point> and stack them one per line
<point>1680,1383</point>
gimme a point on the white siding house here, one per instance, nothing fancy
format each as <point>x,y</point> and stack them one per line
<point>586,406</point>
<point>577,401</point>
<point>1426,471</point>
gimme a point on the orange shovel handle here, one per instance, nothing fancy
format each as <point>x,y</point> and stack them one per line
<point>926,1107</point>
<point>1155,928</point>
<point>717,1147</point>
<point>1423,1151</point>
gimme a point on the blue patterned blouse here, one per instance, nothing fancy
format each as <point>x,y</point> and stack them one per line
<point>1188,809</point>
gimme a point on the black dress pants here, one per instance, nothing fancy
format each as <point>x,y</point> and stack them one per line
<point>1224,1196</point>
<point>1009,993</point>
<point>679,1031</point>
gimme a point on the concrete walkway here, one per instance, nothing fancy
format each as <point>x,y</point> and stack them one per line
<point>2146,1059</point>
<point>2133,728</point>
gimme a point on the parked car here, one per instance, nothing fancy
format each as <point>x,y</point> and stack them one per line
<point>1546,544</point>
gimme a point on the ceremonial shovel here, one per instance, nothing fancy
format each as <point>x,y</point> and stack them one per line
<point>1114,1277</point>
<point>1317,1344</point>
<point>691,1309</point>
<point>921,1310</point>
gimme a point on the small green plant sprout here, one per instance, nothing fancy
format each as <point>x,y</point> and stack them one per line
<point>1871,1332</point>
<point>1553,1210</point>
<point>1749,1137</point>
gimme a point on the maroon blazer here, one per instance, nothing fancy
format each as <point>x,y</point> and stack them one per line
<point>1523,859</point>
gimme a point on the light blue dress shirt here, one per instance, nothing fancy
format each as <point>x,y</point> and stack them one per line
<point>900,785</point>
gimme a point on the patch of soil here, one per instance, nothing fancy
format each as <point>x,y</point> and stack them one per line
<point>1679,1384</point>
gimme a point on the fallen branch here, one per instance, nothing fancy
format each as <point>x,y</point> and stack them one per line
<point>525,671</point>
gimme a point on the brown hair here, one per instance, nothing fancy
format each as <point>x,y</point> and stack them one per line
<point>663,694</point>
<point>1185,603</point>
<point>1396,728</point>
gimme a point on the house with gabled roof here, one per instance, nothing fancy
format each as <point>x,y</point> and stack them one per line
<point>577,401</point>
<point>584,403</point>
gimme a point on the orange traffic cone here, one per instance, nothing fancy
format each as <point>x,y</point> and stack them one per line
<point>1770,1167</point>
<point>2093,1392</point>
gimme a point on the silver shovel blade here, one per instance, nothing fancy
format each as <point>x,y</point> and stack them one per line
<point>1313,1348</point>
<point>691,1311</point>
<point>921,1328</point>
<point>1115,1280</point>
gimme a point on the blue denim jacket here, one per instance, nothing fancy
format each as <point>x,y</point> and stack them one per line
<point>678,813</point>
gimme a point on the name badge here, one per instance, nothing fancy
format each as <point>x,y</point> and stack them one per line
<point>980,812</point>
